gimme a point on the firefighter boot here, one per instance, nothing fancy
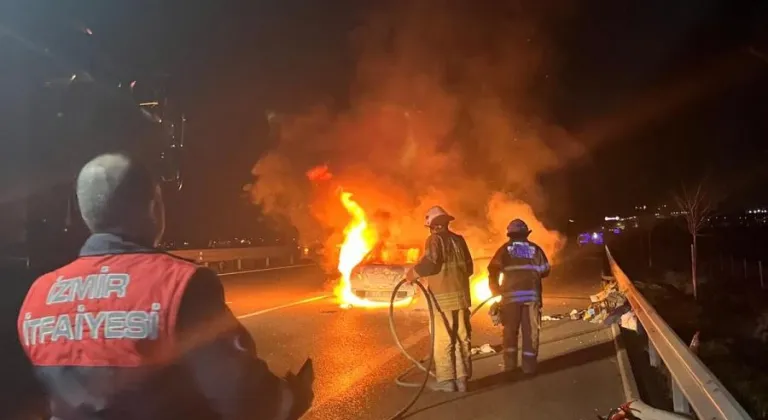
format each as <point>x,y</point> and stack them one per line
<point>443,386</point>
<point>529,364</point>
<point>462,384</point>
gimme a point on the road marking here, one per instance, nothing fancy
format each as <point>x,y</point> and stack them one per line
<point>260,270</point>
<point>287,305</point>
<point>365,369</point>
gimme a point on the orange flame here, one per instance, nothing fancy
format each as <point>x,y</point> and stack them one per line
<point>412,256</point>
<point>359,240</point>
<point>480,289</point>
<point>319,173</point>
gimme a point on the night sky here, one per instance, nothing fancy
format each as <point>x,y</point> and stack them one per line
<point>661,92</point>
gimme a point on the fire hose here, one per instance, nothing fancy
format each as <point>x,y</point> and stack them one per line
<point>420,364</point>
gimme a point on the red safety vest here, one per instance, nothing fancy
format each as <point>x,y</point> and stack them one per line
<point>115,310</point>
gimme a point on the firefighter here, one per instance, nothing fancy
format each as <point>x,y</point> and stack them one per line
<point>127,331</point>
<point>523,265</point>
<point>446,266</point>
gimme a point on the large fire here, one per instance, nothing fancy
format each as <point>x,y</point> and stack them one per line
<point>480,289</point>
<point>359,239</point>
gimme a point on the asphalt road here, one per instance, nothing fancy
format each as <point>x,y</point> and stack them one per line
<point>292,315</point>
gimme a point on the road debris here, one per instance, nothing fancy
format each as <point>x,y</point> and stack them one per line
<point>609,306</point>
<point>484,349</point>
<point>553,317</point>
<point>629,321</point>
<point>624,412</point>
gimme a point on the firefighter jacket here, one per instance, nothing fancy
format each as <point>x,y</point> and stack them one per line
<point>447,266</point>
<point>130,332</point>
<point>523,265</point>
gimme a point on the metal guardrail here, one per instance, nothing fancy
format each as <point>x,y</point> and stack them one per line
<point>693,384</point>
<point>232,254</point>
<point>239,255</point>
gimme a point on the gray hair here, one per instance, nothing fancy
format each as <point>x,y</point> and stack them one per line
<point>114,193</point>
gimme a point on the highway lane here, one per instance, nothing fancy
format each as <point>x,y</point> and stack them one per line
<point>355,358</point>
<point>250,293</point>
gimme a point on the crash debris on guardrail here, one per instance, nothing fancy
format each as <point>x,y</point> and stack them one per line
<point>607,307</point>
<point>610,306</point>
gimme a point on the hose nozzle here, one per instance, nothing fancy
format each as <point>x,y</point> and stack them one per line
<point>495,313</point>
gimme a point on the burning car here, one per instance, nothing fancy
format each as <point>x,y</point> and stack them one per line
<point>375,278</point>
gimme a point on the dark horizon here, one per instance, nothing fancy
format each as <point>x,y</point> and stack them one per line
<point>659,94</point>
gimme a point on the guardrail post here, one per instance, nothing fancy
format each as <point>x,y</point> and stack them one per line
<point>679,403</point>
<point>239,265</point>
<point>292,259</point>
<point>653,356</point>
<point>760,270</point>
<point>694,386</point>
<point>745,268</point>
<point>266,262</point>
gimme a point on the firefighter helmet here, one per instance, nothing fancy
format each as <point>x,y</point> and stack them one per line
<point>517,227</point>
<point>436,213</point>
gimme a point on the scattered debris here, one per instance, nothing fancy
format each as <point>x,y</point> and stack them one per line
<point>576,314</point>
<point>602,295</point>
<point>484,349</point>
<point>345,306</point>
<point>629,321</point>
<point>624,412</point>
<point>553,317</point>
<point>607,307</point>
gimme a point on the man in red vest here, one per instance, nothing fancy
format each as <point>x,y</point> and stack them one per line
<point>127,331</point>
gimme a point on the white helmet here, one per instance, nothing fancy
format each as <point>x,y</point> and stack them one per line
<point>435,213</point>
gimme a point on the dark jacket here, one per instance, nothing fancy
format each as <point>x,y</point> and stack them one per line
<point>447,266</point>
<point>213,379</point>
<point>523,264</point>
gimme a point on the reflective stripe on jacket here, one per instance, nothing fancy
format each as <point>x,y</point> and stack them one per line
<point>523,265</point>
<point>447,266</point>
<point>130,332</point>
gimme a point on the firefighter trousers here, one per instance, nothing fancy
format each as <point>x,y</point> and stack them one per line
<point>453,348</point>
<point>525,317</point>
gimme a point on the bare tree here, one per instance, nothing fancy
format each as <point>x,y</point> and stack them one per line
<point>696,206</point>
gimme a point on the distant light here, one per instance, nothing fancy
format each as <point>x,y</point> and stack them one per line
<point>611,217</point>
<point>88,31</point>
<point>570,220</point>
<point>595,235</point>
